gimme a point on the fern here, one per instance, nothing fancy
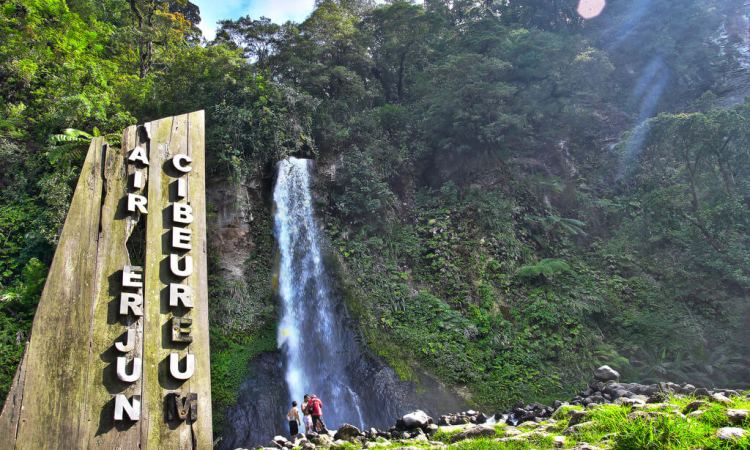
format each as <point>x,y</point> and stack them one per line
<point>546,268</point>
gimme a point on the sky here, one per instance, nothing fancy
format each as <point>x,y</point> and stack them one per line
<point>277,10</point>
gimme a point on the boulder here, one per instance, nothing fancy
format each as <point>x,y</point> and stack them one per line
<point>737,416</point>
<point>479,431</point>
<point>606,373</point>
<point>431,429</point>
<point>693,406</point>
<point>721,398</point>
<point>417,419</point>
<point>730,433</point>
<point>346,432</point>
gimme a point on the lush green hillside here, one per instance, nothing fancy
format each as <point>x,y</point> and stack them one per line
<point>513,194</point>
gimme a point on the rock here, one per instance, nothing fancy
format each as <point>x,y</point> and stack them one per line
<point>737,416</point>
<point>481,418</point>
<point>558,441</point>
<point>576,417</point>
<point>730,433</point>
<point>696,414</point>
<point>693,406</point>
<point>585,446</point>
<point>721,398</point>
<point>346,432</point>
<point>573,429</point>
<point>340,443</point>
<point>473,433</point>
<point>701,392</point>
<point>308,446</point>
<point>606,373</point>
<point>417,419</point>
<point>431,429</point>
<point>323,440</point>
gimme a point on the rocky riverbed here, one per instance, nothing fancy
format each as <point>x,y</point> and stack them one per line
<point>607,414</point>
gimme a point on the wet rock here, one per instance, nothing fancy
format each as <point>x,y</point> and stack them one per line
<point>606,373</point>
<point>347,432</point>
<point>417,419</point>
<point>474,433</point>
<point>730,433</point>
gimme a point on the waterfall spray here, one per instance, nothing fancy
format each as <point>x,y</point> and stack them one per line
<point>309,334</point>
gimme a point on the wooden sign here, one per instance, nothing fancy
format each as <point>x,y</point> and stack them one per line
<point>119,348</point>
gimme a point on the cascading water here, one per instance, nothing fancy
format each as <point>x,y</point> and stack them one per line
<point>310,334</point>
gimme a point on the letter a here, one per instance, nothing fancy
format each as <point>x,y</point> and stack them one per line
<point>138,154</point>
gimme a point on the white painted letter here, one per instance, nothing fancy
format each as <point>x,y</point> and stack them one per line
<point>129,344</point>
<point>174,368</point>
<point>123,405</point>
<point>180,293</point>
<point>181,238</point>
<point>174,265</point>
<point>137,201</point>
<point>130,301</point>
<point>139,179</point>
<point>138,154</point>
<point>131,277</point>
<point>122,369</point>
<point>182,213</point>
<point>182,188</point>
<point>177,161</point>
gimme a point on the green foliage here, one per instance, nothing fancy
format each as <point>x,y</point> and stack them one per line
<point>546,268</point>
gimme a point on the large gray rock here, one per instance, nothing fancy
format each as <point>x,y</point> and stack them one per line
<point>606,373</point>
<point>737,416</point>
<point>417,419</point>
<point>730,433</point>
<point>474,433</point>
<point>347,432</point>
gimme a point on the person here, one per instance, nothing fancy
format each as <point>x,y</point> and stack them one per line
<point>315,406</point>
<point>293,417</point>
<point>306,415</point>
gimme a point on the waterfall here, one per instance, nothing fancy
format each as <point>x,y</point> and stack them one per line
<point>310,333</point>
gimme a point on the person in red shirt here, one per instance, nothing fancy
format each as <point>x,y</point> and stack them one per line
<point>315,407</point>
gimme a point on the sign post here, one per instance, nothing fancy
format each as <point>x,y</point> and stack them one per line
<point>119,350</point>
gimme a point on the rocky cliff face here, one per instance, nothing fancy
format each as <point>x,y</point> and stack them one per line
<point>243,282</point>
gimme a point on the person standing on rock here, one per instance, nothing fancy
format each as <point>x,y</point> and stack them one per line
<point>315,406</point>
<point>306,414</point>
<point>293,417</point>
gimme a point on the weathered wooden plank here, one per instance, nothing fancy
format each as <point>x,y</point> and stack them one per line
<point>201,382</point>
<point>108,326</point>
<point>12,409</point>
<point>54,386</point>
<point>170,137</point>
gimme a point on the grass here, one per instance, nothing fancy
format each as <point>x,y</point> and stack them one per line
<point>616,427</point>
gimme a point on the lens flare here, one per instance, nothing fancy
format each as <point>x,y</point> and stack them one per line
<point>588,9</point>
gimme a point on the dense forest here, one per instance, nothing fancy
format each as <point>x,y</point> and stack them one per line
<point>513,194</point>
